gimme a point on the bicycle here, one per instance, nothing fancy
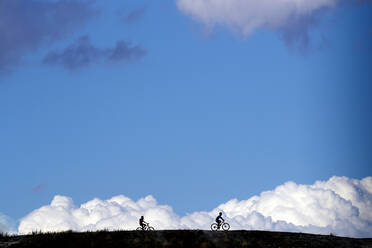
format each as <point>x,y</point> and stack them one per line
<point>145,228</point>
<point>225,226</point>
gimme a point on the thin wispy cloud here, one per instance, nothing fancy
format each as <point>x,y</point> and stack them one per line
<point>25,25</point>
<point>82,53</point>
<point>296,33</point>
<point>6,224</point>
<point>132,16</point>
<point>341,206</point>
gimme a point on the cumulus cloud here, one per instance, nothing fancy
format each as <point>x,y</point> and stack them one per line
<point>119,212</point>
<point>82,53</point>
<point>27,24</point>
<point>341,205</point>
<point>293,19</point>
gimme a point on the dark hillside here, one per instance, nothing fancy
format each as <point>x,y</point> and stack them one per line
<point>182,238</point>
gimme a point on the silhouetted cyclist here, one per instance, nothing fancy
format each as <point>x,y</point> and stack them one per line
<point>142,222</point>
<point>218,220</point>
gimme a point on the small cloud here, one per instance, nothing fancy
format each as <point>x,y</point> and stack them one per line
<point>123,51</point>
<point>81,53</point>
<point>133,16</point>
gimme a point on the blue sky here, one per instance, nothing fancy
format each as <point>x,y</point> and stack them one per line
<point>193,114</point>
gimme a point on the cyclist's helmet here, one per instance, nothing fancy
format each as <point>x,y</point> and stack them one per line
<point>220,213</point>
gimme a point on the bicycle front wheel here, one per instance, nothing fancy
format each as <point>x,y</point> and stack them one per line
<point>225,226</point>
<point>214,227</point>
<point>150,228</point>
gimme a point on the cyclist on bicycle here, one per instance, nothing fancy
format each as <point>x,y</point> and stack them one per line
<point>142,222</point>
<point>219,220</point>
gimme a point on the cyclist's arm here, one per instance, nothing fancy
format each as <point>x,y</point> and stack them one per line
<point>222,219</point>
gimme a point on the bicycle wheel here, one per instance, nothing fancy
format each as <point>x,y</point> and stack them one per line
<point>225,226</point>
<point>139,229</point>
<point>214,227</point>
<point>150,228</point>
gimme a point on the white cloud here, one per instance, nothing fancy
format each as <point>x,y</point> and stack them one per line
<point>247,15</point>
<point>340,205</point>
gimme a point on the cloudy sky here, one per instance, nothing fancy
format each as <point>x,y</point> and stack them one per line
<point>179,109</point>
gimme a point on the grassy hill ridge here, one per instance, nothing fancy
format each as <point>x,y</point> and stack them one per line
<point>182,238</point>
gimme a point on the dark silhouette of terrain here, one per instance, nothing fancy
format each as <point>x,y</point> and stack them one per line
<point>182,238</point>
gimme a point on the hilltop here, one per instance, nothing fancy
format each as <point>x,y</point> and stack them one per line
<point>182,238</point>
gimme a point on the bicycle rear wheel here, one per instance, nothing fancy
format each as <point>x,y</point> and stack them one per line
<point>225,226</point>
<point>139,229</point>
<point>214,227</point>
